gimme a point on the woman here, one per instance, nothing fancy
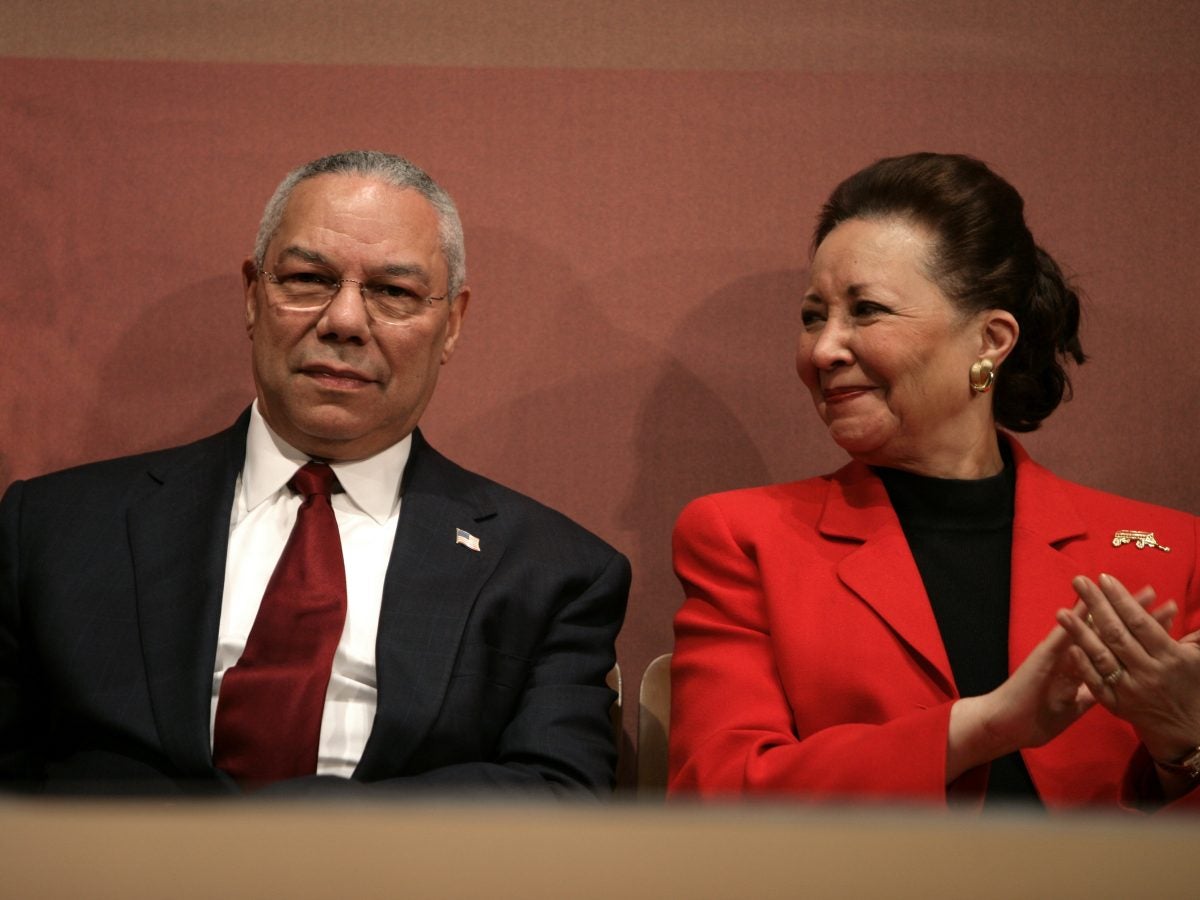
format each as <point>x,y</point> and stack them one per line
<point>924,624</point>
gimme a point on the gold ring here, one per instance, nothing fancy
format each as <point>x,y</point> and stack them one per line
<point>1114,676</point>
<point>1091,623</point>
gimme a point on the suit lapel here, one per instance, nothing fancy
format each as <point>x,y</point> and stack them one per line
<point>882,572</point>
<point>431,585</point>
<point>1044,520</point>
<point>178,534</point>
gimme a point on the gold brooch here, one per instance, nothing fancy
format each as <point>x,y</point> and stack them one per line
<point>1139,539</point>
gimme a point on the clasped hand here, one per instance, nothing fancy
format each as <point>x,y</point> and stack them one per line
<point>1132,666</point>
<point>1109,631</point>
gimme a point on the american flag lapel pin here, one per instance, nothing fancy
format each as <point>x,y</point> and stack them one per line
<point>467,539</point>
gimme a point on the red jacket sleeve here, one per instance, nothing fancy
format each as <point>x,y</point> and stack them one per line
<point>733,730</point>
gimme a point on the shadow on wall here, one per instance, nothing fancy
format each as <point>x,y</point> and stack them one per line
<point>713,417</point>
<point>543,387</point>
<point>619,428</point>
<point>181,371</point>
<point>178,370</point>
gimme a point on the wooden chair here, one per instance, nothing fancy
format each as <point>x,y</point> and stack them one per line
<point>654,726</point>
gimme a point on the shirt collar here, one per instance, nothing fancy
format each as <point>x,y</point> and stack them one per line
<point>372,484</point>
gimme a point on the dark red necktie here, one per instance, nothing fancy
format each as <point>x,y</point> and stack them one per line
<point>268,722</point>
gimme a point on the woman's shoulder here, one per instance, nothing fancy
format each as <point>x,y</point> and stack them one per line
<point>1100,500</point>
<point>1088,499</point>
<point>1135,522</point>
<point>1113,518</point>
<point>1039,485</point>
<point>792,502</point>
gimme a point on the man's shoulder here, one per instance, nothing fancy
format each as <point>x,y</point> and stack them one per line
<point>522,515</point>
<point>119,475</point>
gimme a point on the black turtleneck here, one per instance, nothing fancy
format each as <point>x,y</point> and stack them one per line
<point>960,534</point>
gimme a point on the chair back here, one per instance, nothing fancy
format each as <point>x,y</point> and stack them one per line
<point>654,726</point>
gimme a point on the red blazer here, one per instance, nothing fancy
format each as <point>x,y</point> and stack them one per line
<point>808,661</point>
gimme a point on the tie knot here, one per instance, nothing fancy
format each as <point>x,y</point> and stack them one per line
<point>313,479</point>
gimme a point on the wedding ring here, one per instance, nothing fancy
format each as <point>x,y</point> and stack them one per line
<point>1114,676</point>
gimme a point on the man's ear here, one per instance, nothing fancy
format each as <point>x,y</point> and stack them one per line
<point>250,290</point>
<point>458,312</point>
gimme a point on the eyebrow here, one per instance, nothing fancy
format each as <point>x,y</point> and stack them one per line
<point>399,270</point>
<point>853,290</point>
<point>307,255</point>
<point>402,271</point>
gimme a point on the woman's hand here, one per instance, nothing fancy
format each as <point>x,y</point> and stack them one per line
<point>1038,701</point>
<point>1035,704</point>
<point>1134,668</point>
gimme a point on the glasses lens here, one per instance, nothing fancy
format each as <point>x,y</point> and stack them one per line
<point>303,290</point>
<point>392,303</point>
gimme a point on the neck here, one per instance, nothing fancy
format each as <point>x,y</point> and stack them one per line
<point>980,459</point>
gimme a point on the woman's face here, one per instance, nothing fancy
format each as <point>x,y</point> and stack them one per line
<point>887,356</point>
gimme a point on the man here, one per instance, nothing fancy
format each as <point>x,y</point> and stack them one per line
<point>178,621</point>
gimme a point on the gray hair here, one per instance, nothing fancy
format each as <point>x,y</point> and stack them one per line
<point>389,168</point>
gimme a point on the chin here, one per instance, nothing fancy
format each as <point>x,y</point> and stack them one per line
<point>321,435</point>
<point>862,444</point>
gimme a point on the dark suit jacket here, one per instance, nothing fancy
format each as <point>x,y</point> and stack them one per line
<point>490,664</point>
<point>808,661</point>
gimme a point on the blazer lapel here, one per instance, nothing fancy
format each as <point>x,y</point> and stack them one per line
<point>882,572</point>
<point>178,534</point>
<point>430,588</point>
<point>1044,521</point>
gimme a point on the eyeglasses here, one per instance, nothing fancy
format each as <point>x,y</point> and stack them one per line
<point>386,302</point>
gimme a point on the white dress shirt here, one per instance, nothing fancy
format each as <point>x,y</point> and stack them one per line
<point>264,511</point>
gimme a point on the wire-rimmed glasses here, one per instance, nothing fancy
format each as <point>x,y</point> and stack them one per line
<point>386,302</point>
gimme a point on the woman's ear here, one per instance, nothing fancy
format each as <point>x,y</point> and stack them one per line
<point>999,335</point>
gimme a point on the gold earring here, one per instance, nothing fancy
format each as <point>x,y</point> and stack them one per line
<point>982,375</point>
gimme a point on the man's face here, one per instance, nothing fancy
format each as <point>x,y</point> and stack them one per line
<point>334,383</point>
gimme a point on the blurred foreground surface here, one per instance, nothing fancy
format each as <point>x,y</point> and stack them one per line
<point>54,849</point>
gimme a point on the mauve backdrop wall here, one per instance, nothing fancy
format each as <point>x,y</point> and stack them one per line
<point>638,183</point>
